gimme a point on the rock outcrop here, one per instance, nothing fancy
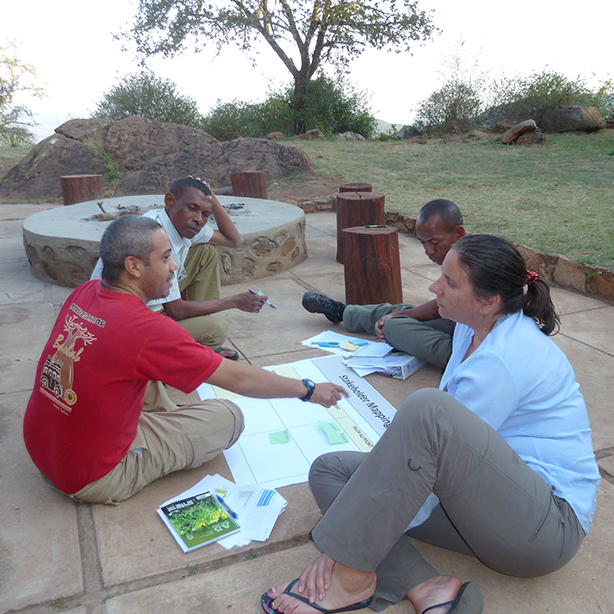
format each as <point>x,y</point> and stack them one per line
<point>524,133</point>
<point>563,118</point>
<point>142,157</point>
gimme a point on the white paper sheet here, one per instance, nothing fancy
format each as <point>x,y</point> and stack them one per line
<point>257,508</point>
<point>362,418</point>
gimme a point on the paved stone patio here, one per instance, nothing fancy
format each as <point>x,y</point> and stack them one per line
<point>59,556</point>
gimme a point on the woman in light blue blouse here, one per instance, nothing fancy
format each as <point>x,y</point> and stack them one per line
<point>498,463</point>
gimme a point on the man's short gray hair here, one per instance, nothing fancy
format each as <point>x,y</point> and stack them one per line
<point>128,235</point>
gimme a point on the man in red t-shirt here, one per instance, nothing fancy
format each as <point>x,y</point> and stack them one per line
<point>99,424</point>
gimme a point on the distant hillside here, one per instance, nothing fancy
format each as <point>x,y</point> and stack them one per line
<point>384,127</point>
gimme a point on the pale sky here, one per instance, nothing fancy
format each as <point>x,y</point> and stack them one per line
<point>70,42</point>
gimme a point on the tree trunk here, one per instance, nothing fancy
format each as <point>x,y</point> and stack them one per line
<point>299,104</point>
<point>81,188</point>
<point>249,183</point>
<point>372,266</point>
<point>357,209</point>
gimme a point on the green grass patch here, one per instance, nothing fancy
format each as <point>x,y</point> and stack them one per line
<point>558,198</point>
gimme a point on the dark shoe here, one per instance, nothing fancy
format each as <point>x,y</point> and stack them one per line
<point>318,303</point>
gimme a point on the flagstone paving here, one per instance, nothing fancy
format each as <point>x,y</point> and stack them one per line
<point>59,556</point>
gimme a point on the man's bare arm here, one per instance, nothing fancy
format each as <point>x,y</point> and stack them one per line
<point>251,381</point>
<point>180,309</point>
<point>426,311</point>
<point>227,233</point>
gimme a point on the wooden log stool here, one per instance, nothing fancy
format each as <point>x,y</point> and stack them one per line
<point>80,188</point>
<point>251,184</point>
<point>372,266</point>
<point>358,209</point>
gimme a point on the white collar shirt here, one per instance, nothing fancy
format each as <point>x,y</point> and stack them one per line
<point>179,250</point>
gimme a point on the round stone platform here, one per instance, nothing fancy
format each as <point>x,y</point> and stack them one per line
<point>62,243</point>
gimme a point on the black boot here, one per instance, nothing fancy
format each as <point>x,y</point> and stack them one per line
<point>318,303</point>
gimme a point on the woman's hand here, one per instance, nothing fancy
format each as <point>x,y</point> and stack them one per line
<point>316,578</point>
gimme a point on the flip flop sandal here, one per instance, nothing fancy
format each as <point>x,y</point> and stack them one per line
<point>230,353</point>
<point>468,600</point>
<point>266,601</point>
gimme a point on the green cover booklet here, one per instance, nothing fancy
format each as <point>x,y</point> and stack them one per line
<point>199,520</point>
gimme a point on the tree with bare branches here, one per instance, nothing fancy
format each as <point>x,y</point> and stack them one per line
<point>304,34</point>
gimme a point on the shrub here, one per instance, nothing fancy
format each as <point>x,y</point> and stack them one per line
<point>149,96</point>
<point>527,98</point>
<point>453,108</point>
<point>15,78</point>
<point>334,107</point>
<point>231,120</point>
<point>604,99</point>
<point>330,107</point>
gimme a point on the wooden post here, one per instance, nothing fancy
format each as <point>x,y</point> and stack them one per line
<point>355,187</point>
<point>372,266</point>
<point>250,183</point>
<point>358,209</point>
<point>79,188</point>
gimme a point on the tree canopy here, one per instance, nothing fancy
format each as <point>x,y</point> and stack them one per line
<point>15,77</point>
<point>303,33</point>
<point>149,96</point>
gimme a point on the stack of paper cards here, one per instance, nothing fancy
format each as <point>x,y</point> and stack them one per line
<point>342,345</point>
<point>366,357</point>
<point>199,520</point>
<point>252,510</point>
<point>395,364</point>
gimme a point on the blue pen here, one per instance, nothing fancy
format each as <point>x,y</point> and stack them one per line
<point>267,302</point>
<point>225,506</point>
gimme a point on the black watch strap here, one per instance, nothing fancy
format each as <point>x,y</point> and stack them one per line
<point>310,388</point>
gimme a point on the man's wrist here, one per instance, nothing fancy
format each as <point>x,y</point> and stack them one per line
<point>310,390</point>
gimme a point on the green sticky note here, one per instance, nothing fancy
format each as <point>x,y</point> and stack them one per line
<point>279,437</point>
<point>334,432</point>
<point>260,292</point>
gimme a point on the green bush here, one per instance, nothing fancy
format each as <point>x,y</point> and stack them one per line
<point>527,98</point>
<point>452,109</point>
<point>149,96</point>
<point>330,107</point>
<point>16,78</point>
<point>231,120</point>
<point>334,107</point>
<point>604,99</point>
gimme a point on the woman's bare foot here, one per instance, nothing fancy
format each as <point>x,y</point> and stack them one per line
<point>347,586</point>
<point>432,592</point>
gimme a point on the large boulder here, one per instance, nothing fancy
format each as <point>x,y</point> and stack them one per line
<point>407,132</point>
<point>37,176</point>
<point>146,155</point>
<point>563,118</point>
<point>510,136</point>
<point>215,163</point>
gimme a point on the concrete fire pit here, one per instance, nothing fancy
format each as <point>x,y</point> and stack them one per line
<point>62,243</point>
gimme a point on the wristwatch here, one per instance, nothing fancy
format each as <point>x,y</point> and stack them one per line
<point>310,388</point>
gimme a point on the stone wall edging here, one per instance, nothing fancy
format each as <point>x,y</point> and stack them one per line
<point>591,280</point>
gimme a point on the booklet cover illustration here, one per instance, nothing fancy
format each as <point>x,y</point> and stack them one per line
<point>199,520</point>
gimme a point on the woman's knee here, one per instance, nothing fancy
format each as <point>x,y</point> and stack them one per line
<point>330,472</point>
<point>424,402</point>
